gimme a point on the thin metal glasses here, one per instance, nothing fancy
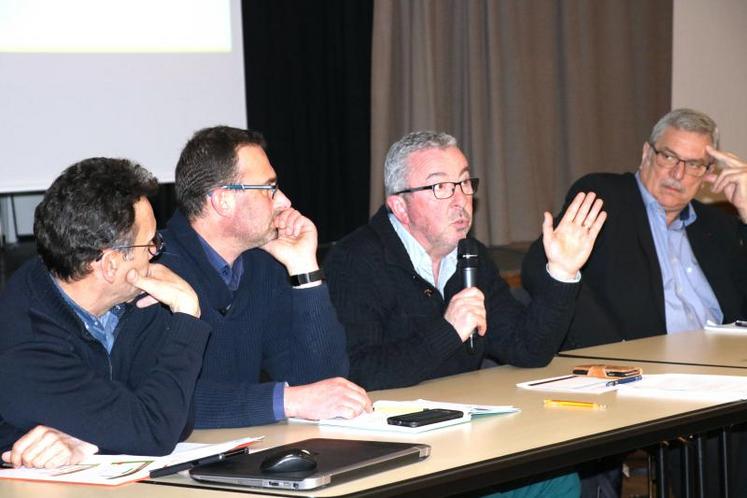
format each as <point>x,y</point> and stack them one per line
<point>273,187</point>
<point>155,246</point>
<point>669,160</point>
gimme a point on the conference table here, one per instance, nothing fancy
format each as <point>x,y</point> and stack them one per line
<point>490,450</point>
<point>698,347</point>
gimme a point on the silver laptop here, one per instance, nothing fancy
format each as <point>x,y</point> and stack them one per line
<point>337,460</point>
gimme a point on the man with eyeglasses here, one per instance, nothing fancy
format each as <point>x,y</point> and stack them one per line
<point>397,292</point>
<point>277,349</point>
<point>664,263</point>
<point>82,351</point>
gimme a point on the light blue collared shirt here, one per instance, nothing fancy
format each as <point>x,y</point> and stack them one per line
<point>103,328</point>
<point>688,298</point>
<point>421,261</point>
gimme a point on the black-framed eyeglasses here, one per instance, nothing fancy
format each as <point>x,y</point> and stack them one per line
<point>669,160</point>
<point>155,246</point>
<point>445,190</point>
<point>273,187</point>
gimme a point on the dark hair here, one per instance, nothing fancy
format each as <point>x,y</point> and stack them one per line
<point>89,208</point>
<point>208,161</point>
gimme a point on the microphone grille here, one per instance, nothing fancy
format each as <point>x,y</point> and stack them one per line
<point>467,253</point>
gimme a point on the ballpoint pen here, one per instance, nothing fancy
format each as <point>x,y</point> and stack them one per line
<point>625,380</point>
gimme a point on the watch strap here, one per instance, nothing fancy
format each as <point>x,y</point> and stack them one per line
<point>306,278</point>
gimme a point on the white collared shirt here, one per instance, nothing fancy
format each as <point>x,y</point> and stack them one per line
<point>420,259</point>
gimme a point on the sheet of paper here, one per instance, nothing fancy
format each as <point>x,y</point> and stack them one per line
<point>737,327</point>
<point>689,386</point>
<point>113,470</point>
<point>400,407</point>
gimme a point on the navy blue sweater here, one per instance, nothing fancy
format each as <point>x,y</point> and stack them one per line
<point>264,328</point>
<point>55,373</point>
<point>397,335</point>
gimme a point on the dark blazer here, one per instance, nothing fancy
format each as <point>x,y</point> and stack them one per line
<point>622,295</point>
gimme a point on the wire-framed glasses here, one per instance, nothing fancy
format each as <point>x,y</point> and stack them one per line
<point>668,160</point>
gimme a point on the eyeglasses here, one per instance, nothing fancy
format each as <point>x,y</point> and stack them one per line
<point>669,160</point>
<point>155,246</point>
<point>273,187</point>
<point>445,190</point>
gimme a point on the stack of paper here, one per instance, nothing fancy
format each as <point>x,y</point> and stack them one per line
<point>720,388</point>
<point>383,409</point>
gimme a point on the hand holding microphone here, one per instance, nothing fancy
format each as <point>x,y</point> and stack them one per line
<point>466,310</point>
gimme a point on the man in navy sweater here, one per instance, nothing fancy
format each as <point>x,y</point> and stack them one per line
<point>76,353</point>
<point>277,349</point>
<point>396,289</point>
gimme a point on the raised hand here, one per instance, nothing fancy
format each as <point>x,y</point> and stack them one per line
<point>44,447</point>
<point>295,245</point>
<point>569,245</point>
<point>731,180</point>
<point>336,397</point>
<point>165,286</point>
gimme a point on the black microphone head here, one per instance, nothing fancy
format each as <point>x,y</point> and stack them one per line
<point>467,253</point>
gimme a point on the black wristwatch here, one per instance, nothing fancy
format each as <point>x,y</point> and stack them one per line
<point>306,278</point>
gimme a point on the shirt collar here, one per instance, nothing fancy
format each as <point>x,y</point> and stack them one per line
<point>230,275</point>
<point>103,328</point>
<point>84,314</point>
<point>420,259</point>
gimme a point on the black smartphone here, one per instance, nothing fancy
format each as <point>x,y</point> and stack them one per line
<point>425,417</point>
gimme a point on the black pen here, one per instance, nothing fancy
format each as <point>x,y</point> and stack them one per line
<point>173,469</point>
<point>551,380</point>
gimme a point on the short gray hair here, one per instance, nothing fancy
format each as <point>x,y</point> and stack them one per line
<point>395,165</point>
<point>688,120</point>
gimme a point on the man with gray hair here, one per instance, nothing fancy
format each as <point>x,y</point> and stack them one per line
<point>675,261</point>
<point>397,292</point>
<point>664,263</point>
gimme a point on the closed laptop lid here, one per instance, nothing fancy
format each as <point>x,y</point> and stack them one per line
<point>337,460</point>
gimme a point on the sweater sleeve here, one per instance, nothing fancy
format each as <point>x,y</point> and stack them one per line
<point>315,347</point>
<point>301,342</point>
<point>240,404</point>
<point>528,337</point>
<point>391,343</point>
<point>47,380</point>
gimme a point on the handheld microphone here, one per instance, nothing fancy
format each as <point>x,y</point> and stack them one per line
<point>467,263</point>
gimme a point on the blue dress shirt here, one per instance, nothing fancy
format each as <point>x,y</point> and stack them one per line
<point>103,328</point>
<point>688,298</point>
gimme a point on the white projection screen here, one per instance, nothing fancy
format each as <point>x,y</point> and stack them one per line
<point>116,78</point>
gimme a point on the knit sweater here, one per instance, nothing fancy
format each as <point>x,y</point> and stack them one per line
<point>394,320</point>
<point>55,373</point>
<point>265,329</point>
